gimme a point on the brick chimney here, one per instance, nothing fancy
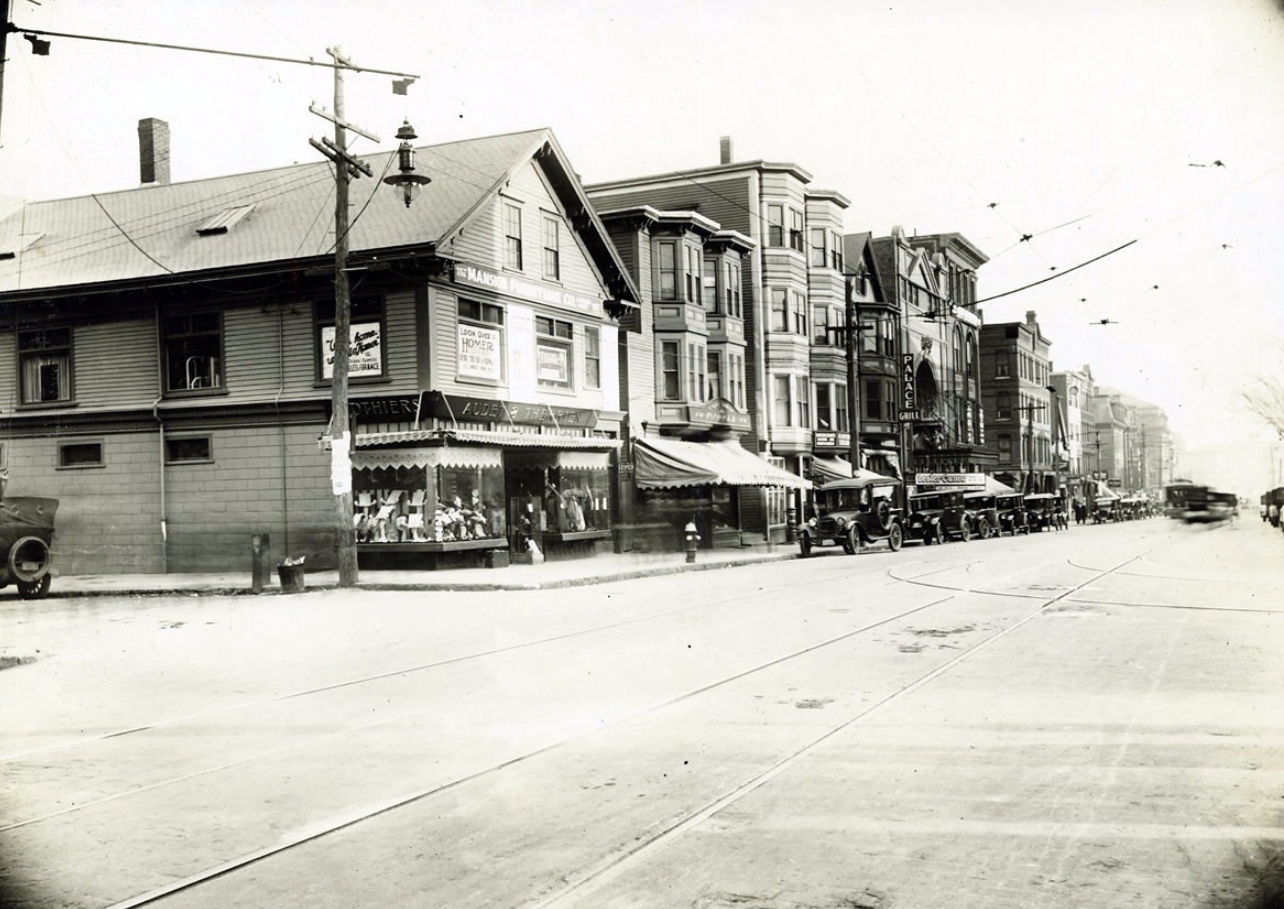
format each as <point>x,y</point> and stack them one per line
<point>1030,316</point>
<point>724,148</point>
<point>153,151</point>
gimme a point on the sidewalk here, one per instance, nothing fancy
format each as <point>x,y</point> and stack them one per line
<point>602,568</point>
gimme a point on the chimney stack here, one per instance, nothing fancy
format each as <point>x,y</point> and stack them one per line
<point>153,151</point>
<point>1030,316</point>
<point>724,147</point>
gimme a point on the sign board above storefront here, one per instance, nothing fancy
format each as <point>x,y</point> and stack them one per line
<point>822,439</point>
<point>719,412</point>
<point>460,409</point>
<point>952,480</point>
<point>525,289</point>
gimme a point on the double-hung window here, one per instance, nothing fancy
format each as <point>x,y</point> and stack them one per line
<point>512,236</point>
<point>592,357</point>
<point>796,240</point>
<point>775,224</point>
<point>835,251</point>
<point>712,299</point>
<point>554,352</point>
<point>714,389</point>
<point>784,400</point>
<point>799,313</point>
<point>692,272</point>
<point>736,379</point>
<point>733,290</point>
<point>1003,406</point>
<point>779,309</point>
<point>45,365</point>
<point>670,370</point>
<point>804,403</point>
<point>874,400</point>
<point>193,352</point>
<point>818,247</point>
<point>667,266</point>
<point>695,372</point>
<point>552,249</point>
<point>840,407</point>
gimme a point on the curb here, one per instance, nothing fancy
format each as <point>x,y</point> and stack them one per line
<point>445,586</point>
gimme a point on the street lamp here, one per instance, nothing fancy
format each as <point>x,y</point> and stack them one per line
<point>406,179</point>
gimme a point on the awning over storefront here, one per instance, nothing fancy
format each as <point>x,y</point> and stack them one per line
<point>672,463</point>
<point>436,456</point>
<point>831,468</point>
<point>487,437</point>
<point>583,460</point>
<point>841,469</point>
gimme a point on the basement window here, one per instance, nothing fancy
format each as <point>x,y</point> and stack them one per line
<point>80,454</point>
<point>188,450</point>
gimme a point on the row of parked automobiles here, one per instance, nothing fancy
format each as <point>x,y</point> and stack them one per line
<point>863,510</point>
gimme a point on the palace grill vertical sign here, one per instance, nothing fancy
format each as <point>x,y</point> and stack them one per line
<point>909,398</point>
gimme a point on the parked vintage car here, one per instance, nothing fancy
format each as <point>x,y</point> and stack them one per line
<point>1042,510</point>
<point>26,538</point>
<point>985,513</point>
<point>1105,510</point>
<point>937,516</point>
<point>1011,510</point>
<point>853,513</point>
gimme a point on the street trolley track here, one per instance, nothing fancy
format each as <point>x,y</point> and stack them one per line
<point>405,670</point>
<point>319,740</point>
<point>611,866</point>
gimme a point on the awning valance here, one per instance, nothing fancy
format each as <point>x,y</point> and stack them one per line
<point>437,456</point>
<point>487,437</point>
<point>584,460</point>
<point>672,463</point>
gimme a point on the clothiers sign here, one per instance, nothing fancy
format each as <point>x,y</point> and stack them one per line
<point>459,409</point>
<point>525,289</point>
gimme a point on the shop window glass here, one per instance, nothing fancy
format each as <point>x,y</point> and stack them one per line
<point>578,500</point>
<point>45,365</point>
<point>193,352</point>
<point>434,503</point>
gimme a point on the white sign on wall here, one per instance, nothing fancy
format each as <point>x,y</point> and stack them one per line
<point>553,364</point>
<point>480,352</point>
<point>365,355</point>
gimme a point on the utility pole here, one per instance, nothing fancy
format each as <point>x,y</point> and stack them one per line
<point>345,168</point>
<point>1029,410</point>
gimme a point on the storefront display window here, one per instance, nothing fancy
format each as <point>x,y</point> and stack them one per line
<point>578,500</point>
<point>434,495</point>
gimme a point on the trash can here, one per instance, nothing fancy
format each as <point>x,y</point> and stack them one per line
<point>291,574</point>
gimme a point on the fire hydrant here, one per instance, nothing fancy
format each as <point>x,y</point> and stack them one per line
<point>692,539</point>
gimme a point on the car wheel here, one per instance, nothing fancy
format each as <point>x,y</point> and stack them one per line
<point>36,589</point>
<point>965,532</point>
<point>804,546</point>
<point>984,529</point>
<point>849,542</point>
<point>894,537</point>
<point>938,537</point>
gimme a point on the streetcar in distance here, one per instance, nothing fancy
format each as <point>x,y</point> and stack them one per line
<point>1177,496</point>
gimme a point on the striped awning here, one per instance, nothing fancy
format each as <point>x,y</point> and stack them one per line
<point>673,463</point>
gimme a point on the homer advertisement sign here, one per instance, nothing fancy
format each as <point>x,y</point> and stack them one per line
<point>479,352</point>
<point>365,356</point>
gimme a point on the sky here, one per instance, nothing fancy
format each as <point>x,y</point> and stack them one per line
<point>1086,126</point>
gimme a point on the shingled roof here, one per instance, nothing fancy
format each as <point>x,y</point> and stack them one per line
<point>267,220</point>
